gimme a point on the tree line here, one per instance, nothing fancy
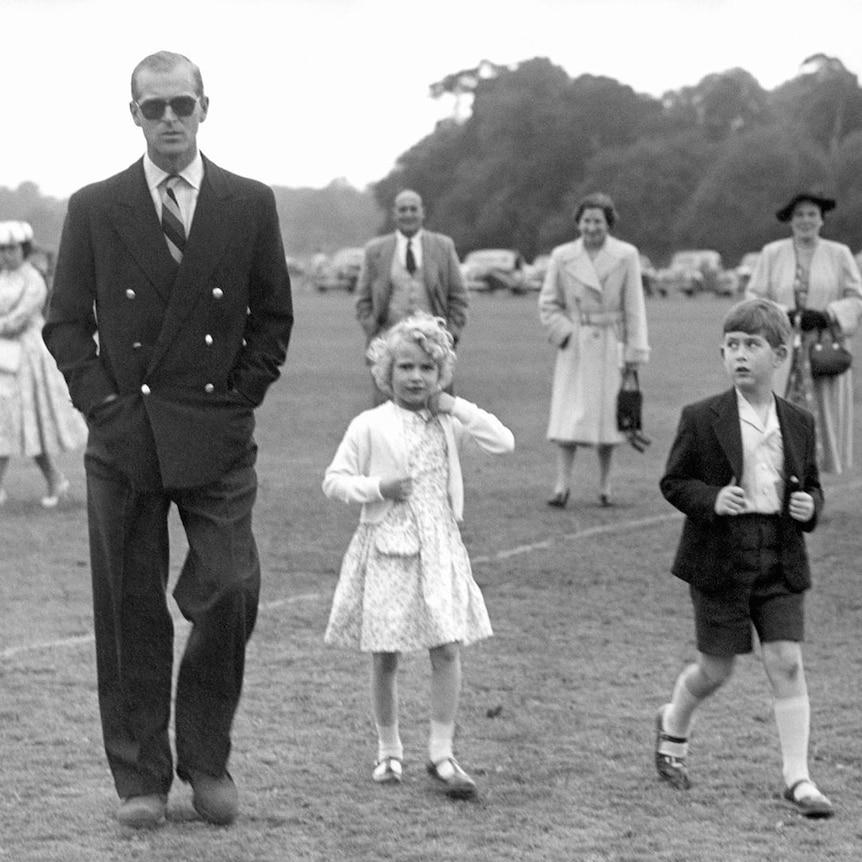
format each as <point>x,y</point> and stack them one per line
<point>705,166</point>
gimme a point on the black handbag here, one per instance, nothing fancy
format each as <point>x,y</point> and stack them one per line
<point>630,410</point>
<point>829,357</point>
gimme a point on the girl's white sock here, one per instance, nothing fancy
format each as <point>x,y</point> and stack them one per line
<point>440,742</point>
<point>389,742</point>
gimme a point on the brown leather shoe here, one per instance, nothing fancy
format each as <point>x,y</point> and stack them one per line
<point>142,812</point>
<point>215,799</point>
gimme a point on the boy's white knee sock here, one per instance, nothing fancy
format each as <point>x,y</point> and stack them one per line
<point>793,717</point>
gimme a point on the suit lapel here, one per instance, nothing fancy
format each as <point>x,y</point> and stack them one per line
<point>431,270</point>
<point>726,426</point>
<point>206,242</point>
<point>135,220</point>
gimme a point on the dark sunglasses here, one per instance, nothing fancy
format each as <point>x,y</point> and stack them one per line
<point>182,106</point>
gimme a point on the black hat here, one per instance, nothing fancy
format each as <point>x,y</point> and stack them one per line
<point>786,212</point>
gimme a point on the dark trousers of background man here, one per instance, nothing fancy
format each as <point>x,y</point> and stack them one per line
<point>217,591</point>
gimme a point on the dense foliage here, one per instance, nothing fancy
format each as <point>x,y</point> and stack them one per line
<point>704,166</point>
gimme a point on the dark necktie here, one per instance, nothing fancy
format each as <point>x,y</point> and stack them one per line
<point>172,220</point>
<point>409,259</point>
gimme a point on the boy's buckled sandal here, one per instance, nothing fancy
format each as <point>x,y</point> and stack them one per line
<point>670,755</point>
<point>812,804</point>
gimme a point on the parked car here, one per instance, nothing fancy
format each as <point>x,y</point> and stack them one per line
<point>746,268</point>
<point>694,271</point>
<point>649,278</point>
<point>340,272</point>
<point>490,269</point>
<point>534,273</point>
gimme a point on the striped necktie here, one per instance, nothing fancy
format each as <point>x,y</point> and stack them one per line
<point>172,219</point>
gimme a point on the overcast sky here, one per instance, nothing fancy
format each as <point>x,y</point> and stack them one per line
<point>306,91</point>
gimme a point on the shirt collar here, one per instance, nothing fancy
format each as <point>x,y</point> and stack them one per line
<point>193,173</point>
<point>416,238</point>
<point>748,414</point>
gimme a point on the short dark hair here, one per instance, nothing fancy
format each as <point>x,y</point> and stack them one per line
<point>164,61</point>
<point>759,317</point>
<point>598,201</point>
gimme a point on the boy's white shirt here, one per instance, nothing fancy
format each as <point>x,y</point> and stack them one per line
<point>762,458</point>
<point>375,446</point>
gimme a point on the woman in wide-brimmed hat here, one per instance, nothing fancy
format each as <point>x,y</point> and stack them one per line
<point>37,419</point>
<point>818,282</point>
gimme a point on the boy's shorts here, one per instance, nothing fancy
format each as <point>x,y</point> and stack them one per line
<point>760,598</point>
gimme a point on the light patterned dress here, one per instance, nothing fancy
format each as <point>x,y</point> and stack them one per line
<point>399,603</point>
<point>36,413</point>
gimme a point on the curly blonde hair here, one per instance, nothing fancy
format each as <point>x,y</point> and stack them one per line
<point>421,328</point>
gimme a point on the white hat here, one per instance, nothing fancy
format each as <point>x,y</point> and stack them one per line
<point>15,232</point>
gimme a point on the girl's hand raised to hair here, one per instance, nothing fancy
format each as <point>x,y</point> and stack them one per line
<point>396,487</point>
<point>441,402</point>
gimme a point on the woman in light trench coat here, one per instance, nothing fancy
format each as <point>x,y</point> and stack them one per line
<point>592,308</point>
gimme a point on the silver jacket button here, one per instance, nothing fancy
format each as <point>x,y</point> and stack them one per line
<point>208,340</point>
<point>130,294</point>
<point>209,388</point>
<point>218,293</point>
<point>145,389</point>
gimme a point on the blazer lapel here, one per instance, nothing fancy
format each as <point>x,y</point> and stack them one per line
<point>726,426</point>
<point>206,242</point>
<point>135,220</point>
<point>792,439</point>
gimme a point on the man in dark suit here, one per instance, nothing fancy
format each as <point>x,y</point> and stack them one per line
<point>170,316</point>
<point>410,270</point>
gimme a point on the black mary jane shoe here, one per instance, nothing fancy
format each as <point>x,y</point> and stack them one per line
<point>559,500</point>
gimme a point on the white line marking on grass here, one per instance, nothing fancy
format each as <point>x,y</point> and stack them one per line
<point>589,533</point>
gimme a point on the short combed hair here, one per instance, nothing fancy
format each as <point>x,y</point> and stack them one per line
<point>598,201</point>
<point>421,328</point>
<point>759,317</point>
<point>165,61</point>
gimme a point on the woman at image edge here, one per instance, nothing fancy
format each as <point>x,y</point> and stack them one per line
<point>592,307</point>
<point>825,274</point>
<point>37,419</point>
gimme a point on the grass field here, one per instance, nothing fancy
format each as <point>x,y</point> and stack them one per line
<point>557,713</point>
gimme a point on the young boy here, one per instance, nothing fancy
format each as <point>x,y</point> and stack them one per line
<point>742,469</point>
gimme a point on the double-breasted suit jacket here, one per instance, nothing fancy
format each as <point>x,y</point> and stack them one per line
<point>440,269</point>
<point>706,455</point>
<point>190,351</point>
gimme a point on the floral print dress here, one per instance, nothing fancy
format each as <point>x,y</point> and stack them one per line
<point>387,602</point>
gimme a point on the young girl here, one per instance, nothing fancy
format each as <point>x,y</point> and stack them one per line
<point>406,582</point>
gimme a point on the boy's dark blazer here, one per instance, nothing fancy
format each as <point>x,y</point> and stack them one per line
<point>705,456</point>
<point>189,353</point>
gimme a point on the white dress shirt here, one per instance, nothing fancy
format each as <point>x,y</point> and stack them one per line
<point>762,458</point>
<point>415,245</point>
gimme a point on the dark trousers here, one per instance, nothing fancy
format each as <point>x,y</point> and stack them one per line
<point>217,591</point>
